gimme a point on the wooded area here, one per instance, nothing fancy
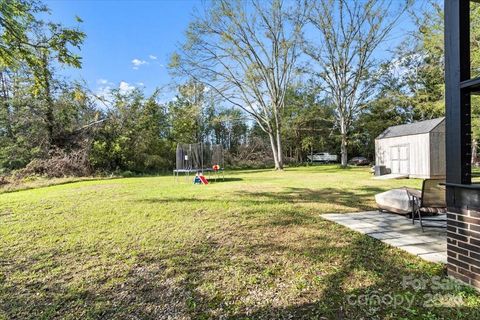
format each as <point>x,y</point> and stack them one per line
<point>252,76</point>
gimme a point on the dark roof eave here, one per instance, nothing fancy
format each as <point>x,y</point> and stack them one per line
<point>402,135</point>
<point>386,134</point>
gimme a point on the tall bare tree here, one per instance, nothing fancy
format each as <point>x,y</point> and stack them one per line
<point>246,52</point>
<point>347,34</point>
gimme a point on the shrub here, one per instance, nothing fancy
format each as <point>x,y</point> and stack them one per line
<point>58,164</point>
<point>127,174</point>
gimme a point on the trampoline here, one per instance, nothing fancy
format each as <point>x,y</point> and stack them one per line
<point>199,157</point>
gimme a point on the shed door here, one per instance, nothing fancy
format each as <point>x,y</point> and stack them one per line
<point>399,156</point>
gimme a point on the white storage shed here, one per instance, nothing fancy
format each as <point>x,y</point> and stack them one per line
<point>415,149</point>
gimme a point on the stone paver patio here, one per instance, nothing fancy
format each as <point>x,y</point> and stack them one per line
<point>398,231</point>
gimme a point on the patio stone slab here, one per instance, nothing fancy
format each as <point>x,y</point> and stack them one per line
<point>369,230</point>
<point>407,240</point>
<point>398,231</point>
<point>431,247</point>
<point>434,257</point>
<point>385,235</point>
<point>358,224</point>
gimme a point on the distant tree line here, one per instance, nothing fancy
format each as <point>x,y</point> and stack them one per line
<point>248,76</point>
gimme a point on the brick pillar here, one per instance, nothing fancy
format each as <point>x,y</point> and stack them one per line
<point>463,238</point>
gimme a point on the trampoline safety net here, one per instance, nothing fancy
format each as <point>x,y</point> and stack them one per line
<point>198,156</point>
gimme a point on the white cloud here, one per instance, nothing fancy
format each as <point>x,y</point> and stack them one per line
<point>103,91</point>
<point>102,81</point>
<point>137,63</point>
<point>152,57</point>
<point>125,87</point>
<point>140,84</point>
<point>103,94</point>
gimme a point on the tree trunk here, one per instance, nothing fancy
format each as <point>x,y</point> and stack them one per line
<point>474,151</point>
<point>274,151</point>
<point>6,105</point>
<point>278,136</point>
<point>343,146</point>
<point>343,151</point>
<point>50,119</point>
<point>279,149</point>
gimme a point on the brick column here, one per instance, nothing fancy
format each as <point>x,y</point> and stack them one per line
<point>463,246</point>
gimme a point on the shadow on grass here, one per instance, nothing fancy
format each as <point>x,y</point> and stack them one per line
<point>324,195</point>
<point>11,188</point>
<point>354,199</point>
<point>212,180</point>
<point>248,171</point>
<point>226,179</point>
<point>337,168</point>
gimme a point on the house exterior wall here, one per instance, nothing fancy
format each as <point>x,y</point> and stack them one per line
<point>437,152</point>
<point>418,151</point>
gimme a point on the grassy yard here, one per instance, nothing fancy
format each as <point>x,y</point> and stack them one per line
<point>253,246</point>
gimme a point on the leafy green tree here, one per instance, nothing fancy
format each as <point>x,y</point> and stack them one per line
<point>188,116</point>
<point>309,124</point>
<point>421,59</point>
<point>229,129</point>
<point>31,96</point>
<point>134,136</point>
<point>30,42</point>
<point>380,115</point>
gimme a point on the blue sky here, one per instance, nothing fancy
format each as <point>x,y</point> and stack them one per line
<point>129,42</point>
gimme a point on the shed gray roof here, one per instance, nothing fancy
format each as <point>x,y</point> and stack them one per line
<point>411,128</point>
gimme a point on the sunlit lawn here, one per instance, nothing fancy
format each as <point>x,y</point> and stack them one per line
<point>476,174</point>
<point>253,246</point>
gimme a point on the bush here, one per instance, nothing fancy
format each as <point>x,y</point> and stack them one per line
<point>255,154</point>
<point>58,164</point>
<point>3,181</point>
<point>127,174</point>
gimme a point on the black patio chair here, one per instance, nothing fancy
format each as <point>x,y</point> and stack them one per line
<point>431,203</point>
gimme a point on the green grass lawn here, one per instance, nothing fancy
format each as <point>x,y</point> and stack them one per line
<point>253,246</point>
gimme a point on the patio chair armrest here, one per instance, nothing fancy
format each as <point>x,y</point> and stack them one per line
<point>413,193</point>
<point>415,198</point>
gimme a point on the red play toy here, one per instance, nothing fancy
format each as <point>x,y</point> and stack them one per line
<point>203,179</point>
